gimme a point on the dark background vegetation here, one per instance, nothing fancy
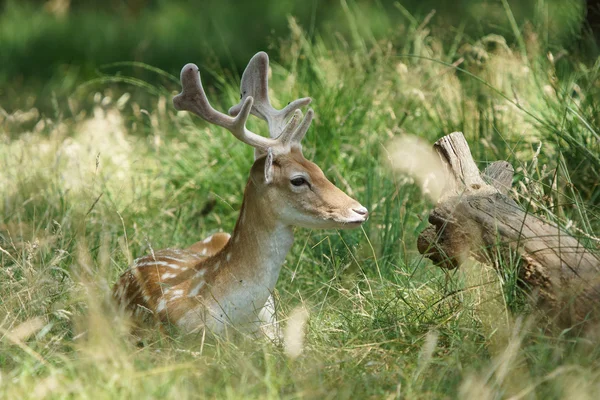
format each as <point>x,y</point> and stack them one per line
<point>47,48</point>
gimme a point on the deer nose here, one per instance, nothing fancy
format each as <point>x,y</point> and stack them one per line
<point>361,210</point>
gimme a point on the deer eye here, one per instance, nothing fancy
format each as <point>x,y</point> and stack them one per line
<point>298,181</point>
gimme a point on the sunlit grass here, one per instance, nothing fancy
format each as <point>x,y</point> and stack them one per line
<point>87,191</point>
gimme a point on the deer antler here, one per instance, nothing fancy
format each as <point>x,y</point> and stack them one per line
<point>255,83</point>
<point>193,98</point>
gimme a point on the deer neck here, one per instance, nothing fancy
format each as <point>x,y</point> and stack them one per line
<point>258,246</point>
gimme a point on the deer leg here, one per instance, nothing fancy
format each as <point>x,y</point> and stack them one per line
<point>269,326</point>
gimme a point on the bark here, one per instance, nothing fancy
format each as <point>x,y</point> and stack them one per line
<point>475,217</point>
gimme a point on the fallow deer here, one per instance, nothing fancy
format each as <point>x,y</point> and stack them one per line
<point>228,280</point>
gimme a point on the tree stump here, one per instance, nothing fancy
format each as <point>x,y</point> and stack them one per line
<point>476,218</point>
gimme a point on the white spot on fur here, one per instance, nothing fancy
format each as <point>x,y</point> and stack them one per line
<point>203,252</point>
<point>207,240</point>
<point>152,263</point>
<point>175,259</point>
<point>228,257</point>
<point>194,292</point>
<point>168,275</point>
<point>162,304</point>
<point>216,266</point>
<point>176,294</point>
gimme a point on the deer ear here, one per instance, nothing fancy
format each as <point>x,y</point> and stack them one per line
<point>269,167</point>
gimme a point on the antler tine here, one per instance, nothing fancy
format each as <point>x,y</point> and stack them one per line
<point>284,140</point>
<point>298,134</point>
<point>193,98</point>
<point>255,83</point>
<point>294,132</point>
<point>290,128</point>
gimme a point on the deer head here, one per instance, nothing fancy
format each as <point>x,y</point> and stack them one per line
<point>293,188</point>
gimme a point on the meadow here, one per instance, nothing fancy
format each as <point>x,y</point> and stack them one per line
<point>103,169</point>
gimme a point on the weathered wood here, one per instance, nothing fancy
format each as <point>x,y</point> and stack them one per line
<point>499,174</point>
<point>477,219</point>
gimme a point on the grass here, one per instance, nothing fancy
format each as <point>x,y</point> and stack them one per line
<point>108,175</point>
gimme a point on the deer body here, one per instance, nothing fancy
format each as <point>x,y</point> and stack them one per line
<point>216,286</point>
<point>228,281</point>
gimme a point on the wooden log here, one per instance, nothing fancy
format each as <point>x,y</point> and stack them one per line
<point>475,218</point>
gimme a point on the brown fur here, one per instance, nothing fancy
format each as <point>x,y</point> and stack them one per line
<point>137,283</point>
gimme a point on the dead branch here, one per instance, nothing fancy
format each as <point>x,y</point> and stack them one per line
<point>475,217</point>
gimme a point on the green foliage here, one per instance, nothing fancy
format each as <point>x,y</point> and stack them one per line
<point>102,177</point>
<point>49,47</point>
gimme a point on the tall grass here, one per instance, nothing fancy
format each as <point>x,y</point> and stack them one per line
<point>98,184</point>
